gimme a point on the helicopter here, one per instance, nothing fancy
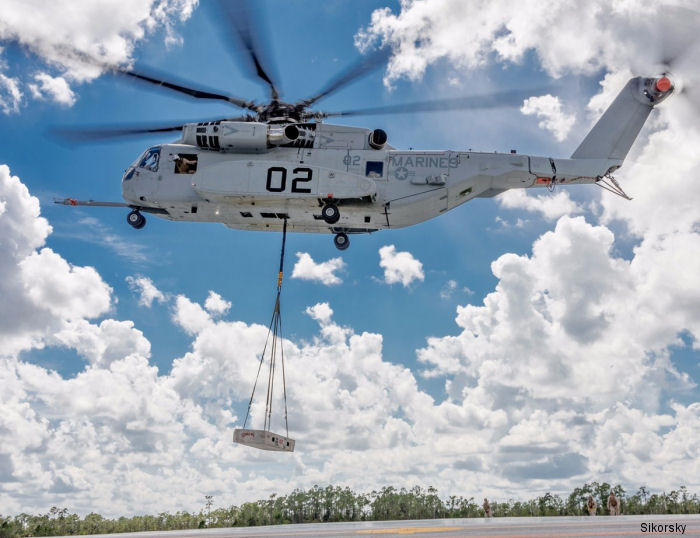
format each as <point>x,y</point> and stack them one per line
<point>280,164</point>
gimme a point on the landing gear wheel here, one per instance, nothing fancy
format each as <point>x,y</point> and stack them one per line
<point>341,241</point>
<point>136,219</point>
<point>330,213</point>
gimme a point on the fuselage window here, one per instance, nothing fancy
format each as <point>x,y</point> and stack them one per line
<point>374,169</point>
<point>150,160</point>
<point>186,163</point>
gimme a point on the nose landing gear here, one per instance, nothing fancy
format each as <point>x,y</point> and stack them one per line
<point>136,219</point>
<point>341,241</point>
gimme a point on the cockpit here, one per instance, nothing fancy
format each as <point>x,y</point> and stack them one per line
<point>151,159</point>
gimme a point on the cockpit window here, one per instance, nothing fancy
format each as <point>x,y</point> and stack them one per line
<point>186,163</point>
<point>151,159</point>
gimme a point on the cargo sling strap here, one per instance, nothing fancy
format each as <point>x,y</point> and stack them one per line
<point>275,330</point>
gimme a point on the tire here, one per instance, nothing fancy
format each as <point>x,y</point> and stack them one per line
<point>136,220</point>
<point>341,241</point>
<point>330,213</point>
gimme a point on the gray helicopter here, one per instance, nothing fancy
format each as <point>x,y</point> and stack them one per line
<point>282,163</point>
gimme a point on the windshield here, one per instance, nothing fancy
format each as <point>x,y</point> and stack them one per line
<point>150,159</point>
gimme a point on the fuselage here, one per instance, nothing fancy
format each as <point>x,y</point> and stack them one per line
<point>373,188</point>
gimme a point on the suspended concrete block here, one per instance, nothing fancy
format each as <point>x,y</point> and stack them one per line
<point>264,440</point>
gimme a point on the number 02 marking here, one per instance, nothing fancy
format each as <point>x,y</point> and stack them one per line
<point>278,176</point>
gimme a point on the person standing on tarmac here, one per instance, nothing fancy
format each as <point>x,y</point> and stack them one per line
<point>613,505</point>
<point>487,508</point>
<point>591,505</point>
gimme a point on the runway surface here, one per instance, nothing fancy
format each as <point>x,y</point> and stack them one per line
<point>549,527</point>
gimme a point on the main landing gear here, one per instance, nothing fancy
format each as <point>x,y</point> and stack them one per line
<point>136,219</point>
<point>330,213</point>
<point>341,241</point>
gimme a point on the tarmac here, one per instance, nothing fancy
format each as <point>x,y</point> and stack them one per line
<point>507,527</point>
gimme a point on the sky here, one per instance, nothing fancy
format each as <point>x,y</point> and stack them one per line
<point>516,345</point>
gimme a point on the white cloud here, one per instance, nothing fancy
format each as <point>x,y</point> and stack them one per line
<point>549,109</point>
<point>10,94</point>
<point>608,34</point>
<point>146,289</point>
<point>448,289</point>
<point>550,206</point>
<point>216,305</point>
<point>93,231</point>
<point>56,88</point>
<point>41,291</point>
<point>105,343</point>
<point>190,316</point>
<point>557,366</point>
<point>321,312</point>
<point>400,266</point>
<point>64,37</point>
<point>565,313</point>
<point>307,269</point>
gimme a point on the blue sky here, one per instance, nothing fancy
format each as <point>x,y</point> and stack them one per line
<point>585,306</point>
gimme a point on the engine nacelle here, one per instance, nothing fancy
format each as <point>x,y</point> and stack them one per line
<point>244,136</point>
<point>377,139</point>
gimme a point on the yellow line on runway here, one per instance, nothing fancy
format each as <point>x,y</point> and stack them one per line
<point>409,530</point>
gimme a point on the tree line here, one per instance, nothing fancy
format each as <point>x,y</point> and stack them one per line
<point>334,503</point>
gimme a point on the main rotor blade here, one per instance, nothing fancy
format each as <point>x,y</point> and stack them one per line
<point>505,99</point>
<point>198,94</point>
<point>675,34</point>
<point>237,14</point>
<point>363,66</point>
<point>87,134</point>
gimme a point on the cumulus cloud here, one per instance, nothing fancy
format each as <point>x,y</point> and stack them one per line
<point>63,38</point>
<point>550,206</point>
<point>553,118</point>
<point>608,34</point>
<point>572,342</point>
<point>556,367</point>
<point>190,316</point>
<point>557,313</point>
<point>105,343</point>
<point>325,272</point>
<point>146,289</point>
<point>55,88</point>
<point>400,266</point>
<point>216,305</point>
<point>42,292</point>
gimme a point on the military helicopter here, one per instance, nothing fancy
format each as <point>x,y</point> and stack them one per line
<point>281,163</point>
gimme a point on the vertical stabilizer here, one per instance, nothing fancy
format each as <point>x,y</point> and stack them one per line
<point>617,129</point>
